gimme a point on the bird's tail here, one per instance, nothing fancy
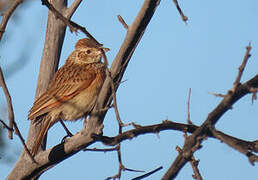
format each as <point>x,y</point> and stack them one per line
<point>44,128</point>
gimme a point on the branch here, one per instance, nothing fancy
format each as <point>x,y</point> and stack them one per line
<point>226,104</point>
<point>7,15</point>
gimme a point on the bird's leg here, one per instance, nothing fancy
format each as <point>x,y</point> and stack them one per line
<point>69,134</point>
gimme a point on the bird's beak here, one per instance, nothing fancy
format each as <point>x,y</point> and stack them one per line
<point>105,49</point>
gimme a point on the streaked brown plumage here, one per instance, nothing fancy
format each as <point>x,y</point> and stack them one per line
<point>73,90</point>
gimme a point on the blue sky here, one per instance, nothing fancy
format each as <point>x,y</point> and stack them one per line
<point>171,58</point>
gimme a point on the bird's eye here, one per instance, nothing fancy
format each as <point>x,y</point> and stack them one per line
<point>88,51</point>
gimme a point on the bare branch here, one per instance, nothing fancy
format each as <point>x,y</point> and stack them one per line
<point>211,120</point>
<point>7,15</point>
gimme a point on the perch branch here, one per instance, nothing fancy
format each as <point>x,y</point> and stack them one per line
<point>49,158</point>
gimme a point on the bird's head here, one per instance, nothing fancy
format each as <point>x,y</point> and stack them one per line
<point>88,51</point>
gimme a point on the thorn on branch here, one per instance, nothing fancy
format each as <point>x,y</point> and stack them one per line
<point>254,93</point>
<point>179,150</point>
<point>122,21</point>
<point>217,94</point>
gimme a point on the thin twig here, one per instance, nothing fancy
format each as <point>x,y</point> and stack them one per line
<point>102,150</point>
<point>115,102</point>
<point>69,11</point>
<point>12,122</point>
<point>184,18</point>
<point>242,67</point>
<point>188,108</point>
<point>9,103</point>
<point>17,131</point>
<point>5,125</point>
<point>122,21</point>
<point>7,16</point>
<point>121,166</point>
<point>148,174</point>
<point>72,25</point>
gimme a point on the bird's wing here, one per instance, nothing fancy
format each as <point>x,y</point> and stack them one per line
<point>67,83</point>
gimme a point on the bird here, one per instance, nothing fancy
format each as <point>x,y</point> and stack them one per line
<point>73,90</point>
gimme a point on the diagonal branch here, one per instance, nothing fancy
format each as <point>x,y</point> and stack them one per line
<point>72,25</point>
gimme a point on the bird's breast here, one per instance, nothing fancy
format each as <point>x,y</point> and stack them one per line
<point>83,102</point>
